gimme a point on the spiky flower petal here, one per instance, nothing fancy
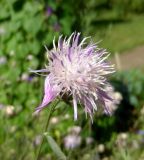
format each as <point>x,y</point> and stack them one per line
<point>78,69</point>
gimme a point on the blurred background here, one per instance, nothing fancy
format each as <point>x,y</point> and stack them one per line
<point>25,27</point>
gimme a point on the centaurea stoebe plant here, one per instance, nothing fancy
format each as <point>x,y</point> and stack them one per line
<point>78,69</point>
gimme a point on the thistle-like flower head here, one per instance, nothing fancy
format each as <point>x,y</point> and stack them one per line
<point>79,69</point>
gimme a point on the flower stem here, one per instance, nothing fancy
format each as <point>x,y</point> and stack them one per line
<point>46,127</point>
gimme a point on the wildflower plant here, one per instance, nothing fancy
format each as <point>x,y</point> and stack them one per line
<point>78,69</point>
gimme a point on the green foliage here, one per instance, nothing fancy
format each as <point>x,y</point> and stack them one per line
<point>134,81</point>
<point>25,27</point>
<point>126,6</point>
<point>55,148</point>
<point>137,6</point>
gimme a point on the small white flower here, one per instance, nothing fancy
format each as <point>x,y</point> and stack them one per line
<point>101,148</point>
<point>3,60</point>
<point>89,140</point>
<point>37,140</point>
<point>116,96</point>
<point>54,120</point>
<point>24,77</point>
<point>30,57</point>
<point>2,31</point>
<point>9,110</point>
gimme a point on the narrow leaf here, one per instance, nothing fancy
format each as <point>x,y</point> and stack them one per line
<point>55,148</point>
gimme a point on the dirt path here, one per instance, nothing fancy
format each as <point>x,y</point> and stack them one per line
<point>130,59</point>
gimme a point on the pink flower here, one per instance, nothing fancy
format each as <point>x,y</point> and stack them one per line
<point>80,70</point>
<point>72,141</point>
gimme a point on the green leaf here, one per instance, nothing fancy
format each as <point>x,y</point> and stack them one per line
<point>55,148</point>
<point>134,100</point>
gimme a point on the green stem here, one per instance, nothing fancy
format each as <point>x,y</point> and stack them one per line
<point>46,127</point>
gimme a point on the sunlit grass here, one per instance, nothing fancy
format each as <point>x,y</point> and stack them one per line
<point>122,36</point>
